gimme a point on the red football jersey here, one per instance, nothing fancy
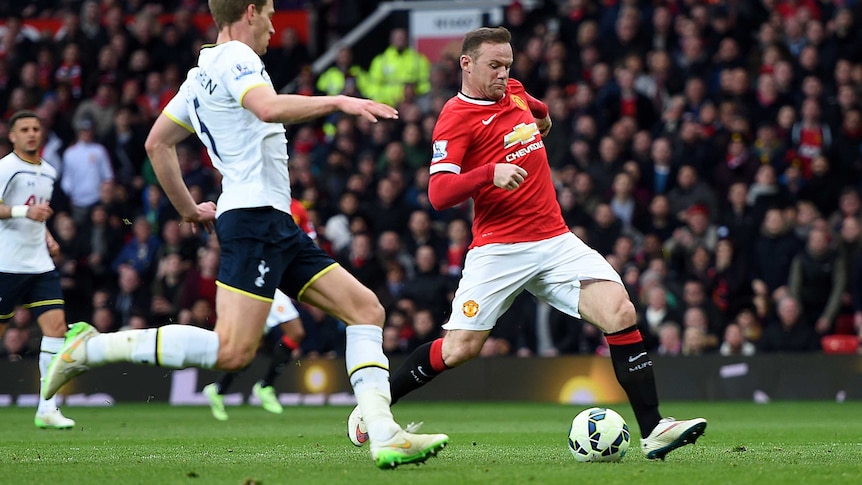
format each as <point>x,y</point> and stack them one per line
<point>471,133</point>
<point>300,217</point>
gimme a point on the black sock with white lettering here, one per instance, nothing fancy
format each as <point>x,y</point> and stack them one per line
<point>417,370</point>
<point>633,369</point>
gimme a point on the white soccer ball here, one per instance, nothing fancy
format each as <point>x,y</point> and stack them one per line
<point>599,434</point>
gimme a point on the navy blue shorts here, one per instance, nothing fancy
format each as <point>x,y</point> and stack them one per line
<point>263,249</point>
<point>37,292</point>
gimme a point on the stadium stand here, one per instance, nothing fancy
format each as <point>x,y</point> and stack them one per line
<point>697,143</point>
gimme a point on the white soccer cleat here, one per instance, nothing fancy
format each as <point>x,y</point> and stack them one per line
<point>356,430</point>
<point>406,447</point>
<point>671,434</point>
<point>71,360</point>
<point>53,419</point>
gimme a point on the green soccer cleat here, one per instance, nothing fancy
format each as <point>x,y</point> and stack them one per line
<point>268,398</point>
<point>216,402</point>
<point>407,447</point>
<point>71,360</point>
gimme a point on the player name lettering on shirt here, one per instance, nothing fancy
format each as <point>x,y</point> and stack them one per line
<point>205,81</point>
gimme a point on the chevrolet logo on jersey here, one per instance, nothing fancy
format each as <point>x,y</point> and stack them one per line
<point>522,134</point>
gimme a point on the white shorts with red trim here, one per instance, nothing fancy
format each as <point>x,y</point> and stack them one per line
<point>282,310</point>
<point>552,270</point>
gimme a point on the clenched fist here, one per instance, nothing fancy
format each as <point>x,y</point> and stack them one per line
<point>40,212</point>
<point>509,176</point>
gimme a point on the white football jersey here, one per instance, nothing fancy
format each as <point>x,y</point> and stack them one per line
<point>22,241</point>
<point>251,155</point>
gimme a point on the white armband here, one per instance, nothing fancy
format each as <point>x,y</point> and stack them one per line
<point>19,211</point>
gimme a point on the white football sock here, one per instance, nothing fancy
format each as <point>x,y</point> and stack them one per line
<point>49,347</point>
<point>177,346</point>
<point>368,369</point>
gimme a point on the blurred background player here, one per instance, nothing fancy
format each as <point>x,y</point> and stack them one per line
<point>27,272</point>
<point>284,333</point>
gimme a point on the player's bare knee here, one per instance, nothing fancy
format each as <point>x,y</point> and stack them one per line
<point>53,323</point>
<point>55,330</point>
<point>234,358</point>
<point>370,312</point>
<point>469,351</point>
<point>624,317</point>
<point>461,350</point>
<point>235,362</point>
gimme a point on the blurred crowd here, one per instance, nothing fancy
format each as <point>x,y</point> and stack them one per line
<point>712,151</point>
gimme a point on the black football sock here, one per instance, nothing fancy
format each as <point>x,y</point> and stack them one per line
<point>281,355</point>
<point>633,368</point>
<point>224,382</point>
<point>423,365</point>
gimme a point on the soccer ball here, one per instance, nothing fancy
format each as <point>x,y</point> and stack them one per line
<point>599,434</point>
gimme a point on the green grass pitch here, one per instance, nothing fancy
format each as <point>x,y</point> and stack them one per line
<point>491,443</point>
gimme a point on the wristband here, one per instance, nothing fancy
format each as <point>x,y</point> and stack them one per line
<point>19,211</point>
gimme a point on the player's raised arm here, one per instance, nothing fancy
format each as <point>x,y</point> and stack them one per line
<point>272,107</point>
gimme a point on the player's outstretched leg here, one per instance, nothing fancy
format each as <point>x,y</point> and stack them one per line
<point>670,434</point>
<point>173,346</point>
<point>71,360</point>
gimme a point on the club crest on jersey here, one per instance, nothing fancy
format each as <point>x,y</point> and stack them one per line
<point>241,70</point>
<point>470,308</point>
<point>439,150</point>
<point>518,101</point>
<point>522,133</point>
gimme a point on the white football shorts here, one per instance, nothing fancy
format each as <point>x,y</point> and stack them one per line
<point>552,270</point>
<point>282,310</point>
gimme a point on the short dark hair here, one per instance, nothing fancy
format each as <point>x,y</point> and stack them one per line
<point>20,115</point>
<point>475,38</point>
<point>226,12</point>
